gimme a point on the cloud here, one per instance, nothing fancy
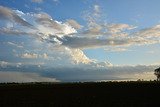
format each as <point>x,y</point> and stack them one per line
<point>37,1</point>
<point>24,77</point>
<point>6,13</point>
<point>97,27</point>
<point>43,24</point>
<point>29,55</point>
<point>34,56</point>
<point>95,31</point>
<point>66,37</point>
<point>48,26</point>
<point>92,18</point>
<point>115,28</point>
<point>17,32</point>
<point>3,63</point>
<point>119,29</point>
<point>151,32</point>
<point>66,34</point>
<point>88,72</point>
<point>74,24</point>
<point>77,56</point>
<point>84,42</point>
<point>15,44</point>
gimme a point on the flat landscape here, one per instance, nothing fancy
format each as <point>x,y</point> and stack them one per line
<point>101,94</point>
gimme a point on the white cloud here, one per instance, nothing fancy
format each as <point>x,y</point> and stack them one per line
<point>3,63</point>
<point>78,56</point>
<point>29,55</point>
<point>48,26</point>
<point>34,56</point>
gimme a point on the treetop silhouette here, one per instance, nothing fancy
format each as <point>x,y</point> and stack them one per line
<point>157,73</point>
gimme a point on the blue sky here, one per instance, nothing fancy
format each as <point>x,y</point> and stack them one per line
<point>83,35</point>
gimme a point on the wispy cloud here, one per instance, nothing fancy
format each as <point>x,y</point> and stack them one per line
<point>15,44</point>
<point>7,13</point>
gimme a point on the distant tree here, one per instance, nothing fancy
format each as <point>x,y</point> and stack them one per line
<point>157,73</point>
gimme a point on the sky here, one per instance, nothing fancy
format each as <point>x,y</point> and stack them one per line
<point>79,40</point>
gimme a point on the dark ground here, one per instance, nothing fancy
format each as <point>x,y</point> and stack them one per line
<point>108,94</point>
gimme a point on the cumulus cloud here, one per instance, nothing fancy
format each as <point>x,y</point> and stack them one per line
<point>78,56</point>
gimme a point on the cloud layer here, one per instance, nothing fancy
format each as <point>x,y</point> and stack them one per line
<point>54,50</point>
<point>64,74</point>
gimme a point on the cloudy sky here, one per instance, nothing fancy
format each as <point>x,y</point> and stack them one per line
<point>78,40</point>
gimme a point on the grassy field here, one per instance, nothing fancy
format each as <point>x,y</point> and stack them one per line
<point>106,94</point>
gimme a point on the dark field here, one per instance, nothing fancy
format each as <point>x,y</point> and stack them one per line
<point>107,94</point>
